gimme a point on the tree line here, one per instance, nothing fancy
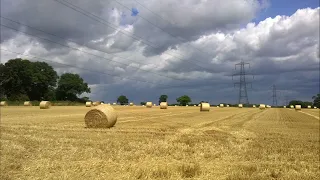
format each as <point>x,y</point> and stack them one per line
<point>22,80</point>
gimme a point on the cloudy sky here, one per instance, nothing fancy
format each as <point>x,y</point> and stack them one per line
<point>145,48</point>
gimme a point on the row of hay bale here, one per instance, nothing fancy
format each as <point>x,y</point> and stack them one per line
<point>43,104</point>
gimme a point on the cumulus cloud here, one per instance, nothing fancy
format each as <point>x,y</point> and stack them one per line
<point>133,57</point>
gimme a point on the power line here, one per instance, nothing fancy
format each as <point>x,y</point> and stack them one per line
<point>163,29</point>
<point>65,39</point>
<point>94,71</point>
<point>77,49</point>
<point>98,19</point>
<point>69,65</point>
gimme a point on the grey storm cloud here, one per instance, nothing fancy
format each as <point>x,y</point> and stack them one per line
<point>193,53</point>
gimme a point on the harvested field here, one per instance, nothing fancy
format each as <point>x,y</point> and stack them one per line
<point>150,143</point>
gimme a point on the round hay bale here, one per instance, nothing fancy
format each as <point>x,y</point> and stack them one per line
<point>114,103</point>
<point>163,105</point>
<point>88,104</point>
<point>262,106</point>
<point>284,106</point>
<point>187,105</point>
<point>298,107</point>
<point>149,104</point>
<point>254,106</point>
<point>204,107</point>
<point>199,105</point>
<point>228,106</point>
<point>240,105</point>
<point>96,103</point>
<point>27,103</point>
<point>309,107</point>
<point>103,116</point>
<point>291,106</point>
<point>315,107</point>
<point>45,105</point>
<point>221,105</point>
<point>131,104</point>
<point>3,103</point>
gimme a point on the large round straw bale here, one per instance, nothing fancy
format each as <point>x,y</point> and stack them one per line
<point>88,104</point>
<point>228,105</point>
<point>315,107</point>
<point>298,107</point>
<point>114,103</point>
<point>254,106</point>
<point>131,104</point>
<point>309,107</point>
<point>103,116</point>
<point>240,106</point>
<point>149,104</point>
<point>291,106</point>
<point>204,107</point>
<point>284,106</point>
<point>27,103</point>
<point>45,105</point>
<point>262,106</point>
<point>163,105</point>
<point>96,103</point>
<point>3,103</point>
<point>221,105</point>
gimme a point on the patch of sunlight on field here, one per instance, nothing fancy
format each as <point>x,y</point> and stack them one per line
<point>177,143</point>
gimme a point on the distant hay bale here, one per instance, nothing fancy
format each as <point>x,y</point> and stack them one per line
<point>309,107</point>
<point>149,104</point>
<point>194,105</point>
<point>262,106</point>
<point>315,107</point>
<point>27,103</point>
<point>221,105</point>
<point>103,116</point>
<point>96,103</point>
<point>163,105</point>
<point>199,105</point>
<point>88,104</point>
<point>176,105</point>
<point>254,106</point>
<point>298,107</point>
<point>45,105</point>
<point>284,106</point>
<point>228,105</point>
<point>268,106</point>
<point>291,106</point>
<point>3,103</point>
<point>187,105</point>
<point>204,107</point>
<point>102,103</point>
<point>240,105</point>
<point>131,104</point>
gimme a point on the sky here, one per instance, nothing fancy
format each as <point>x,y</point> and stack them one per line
<point>145,48</point>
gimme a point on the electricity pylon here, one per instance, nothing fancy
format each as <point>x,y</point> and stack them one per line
<point>243,95</point>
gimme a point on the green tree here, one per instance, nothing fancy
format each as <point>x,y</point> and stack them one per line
<point>122,100</point>
<point>183,100</point>
<point>26,80</point>
<point>163,98</point>
<point>44,80</point>
<point>70,86</point>
<point>316,100</point>
<point>298,102</point>
<point>143,103</point>
<point>2,81</point>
